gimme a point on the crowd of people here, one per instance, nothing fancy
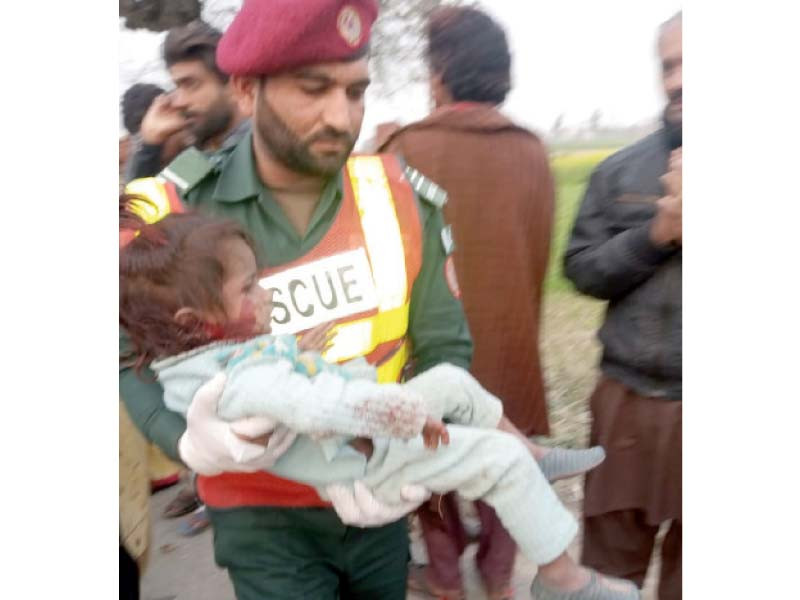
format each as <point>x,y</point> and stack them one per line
<point>333,341</point>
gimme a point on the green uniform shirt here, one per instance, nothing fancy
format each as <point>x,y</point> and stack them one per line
<point>228,185</point>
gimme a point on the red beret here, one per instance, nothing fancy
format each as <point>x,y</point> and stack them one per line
<point>268,36</point>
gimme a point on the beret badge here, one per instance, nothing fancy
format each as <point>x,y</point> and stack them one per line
<point>349,25</point>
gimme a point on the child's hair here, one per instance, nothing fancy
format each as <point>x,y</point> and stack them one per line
<point>163,267</point>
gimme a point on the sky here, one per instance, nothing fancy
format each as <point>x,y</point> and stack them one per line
<point>569,57</point>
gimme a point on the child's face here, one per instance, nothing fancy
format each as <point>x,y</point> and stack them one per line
<point>248,306</point>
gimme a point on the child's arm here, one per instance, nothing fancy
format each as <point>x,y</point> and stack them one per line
<point>325,403</point>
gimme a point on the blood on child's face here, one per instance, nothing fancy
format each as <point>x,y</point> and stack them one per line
<point>248,306</point>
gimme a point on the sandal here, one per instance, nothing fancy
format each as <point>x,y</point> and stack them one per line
<point>185,502</point>
<point>196,523</point>
<point>594,590</point>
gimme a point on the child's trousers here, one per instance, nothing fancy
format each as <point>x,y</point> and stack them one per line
<point>479,463</point>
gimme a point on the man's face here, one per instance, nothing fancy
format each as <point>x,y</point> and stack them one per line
<point>670,52</point>
<point>203,99</point>
<point>309,119</point>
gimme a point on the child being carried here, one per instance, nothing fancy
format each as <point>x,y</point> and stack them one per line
<point>191,303</point>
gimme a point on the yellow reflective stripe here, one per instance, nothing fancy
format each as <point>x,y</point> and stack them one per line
<point>390,325</point>
<point>373,198</point>
<point>389,372</point>
<point>352,339</point>
<point>384,242</point>
<point>152,189</point>
<point>359,338</point>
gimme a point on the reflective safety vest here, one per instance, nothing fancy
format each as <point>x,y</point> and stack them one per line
<point>360,275</point>
<point>361,272</point>
<point>163,199</point>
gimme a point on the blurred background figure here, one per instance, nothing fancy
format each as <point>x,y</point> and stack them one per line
<point>626,247</point>
<point>500,205</point>
<point>124,154</point>
<point>136,101</point>
<point>162,472</point>
<point>134,519</point>
<point>383,131</point>
<point>201,109</point>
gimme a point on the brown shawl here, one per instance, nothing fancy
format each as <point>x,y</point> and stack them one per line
<point>500,205</point>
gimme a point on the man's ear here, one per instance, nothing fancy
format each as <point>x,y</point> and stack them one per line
<point>244,92</point>
<point>439,92</point>
<point>187,316</point>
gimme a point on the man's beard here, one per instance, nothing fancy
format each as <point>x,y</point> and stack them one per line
<point>673,127</point>
<point>674,132</point>
<point>286,147</point>
<point>213,123</point>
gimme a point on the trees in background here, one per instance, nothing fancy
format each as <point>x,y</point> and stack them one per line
<point>397,47</point>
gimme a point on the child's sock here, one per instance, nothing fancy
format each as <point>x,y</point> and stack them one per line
<point>560,463</point>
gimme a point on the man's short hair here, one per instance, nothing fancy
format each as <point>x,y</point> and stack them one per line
<point>194,41</point>
<point>135,102</point>
<point>673,20</point>
<point>469,50</point>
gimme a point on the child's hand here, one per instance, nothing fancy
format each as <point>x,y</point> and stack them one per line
<point>317,339</point>
<point>433,432</point>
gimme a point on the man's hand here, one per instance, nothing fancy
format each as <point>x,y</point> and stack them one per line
<point>667,226</point>
<point>676,160</point>
<point>211,446</point>
<point>358,507</point>
<point>317,339</point>
<point>161,121</point>
<point>433,432</point>
<point>672,180</point>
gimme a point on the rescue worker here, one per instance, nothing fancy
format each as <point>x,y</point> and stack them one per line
<point>299,70</point>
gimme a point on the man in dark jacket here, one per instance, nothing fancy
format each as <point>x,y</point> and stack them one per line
<point>626,248</point>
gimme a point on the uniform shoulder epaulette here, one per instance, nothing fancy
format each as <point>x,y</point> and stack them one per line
<point>188,169</point>
<point>426,188</point>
